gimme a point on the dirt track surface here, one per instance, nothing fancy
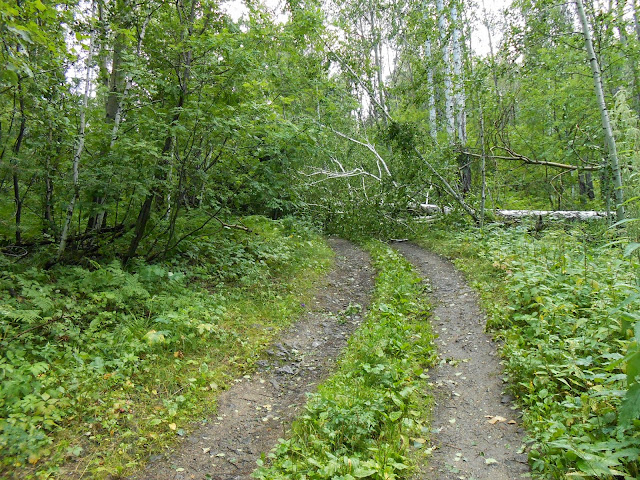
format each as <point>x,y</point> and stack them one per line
<point>476,432</point>
<point>256,411</point>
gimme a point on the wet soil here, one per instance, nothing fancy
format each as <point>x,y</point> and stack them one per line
<point>258,409</point>
<point>476,431</point>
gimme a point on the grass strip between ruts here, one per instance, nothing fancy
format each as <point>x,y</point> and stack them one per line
<point>370,418</point>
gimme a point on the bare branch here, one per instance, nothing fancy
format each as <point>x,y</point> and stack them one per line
<point>330,175</point>
<point>366,145</point>
<point>530,161</point>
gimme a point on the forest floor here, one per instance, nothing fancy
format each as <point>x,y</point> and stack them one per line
<point>476,430</point>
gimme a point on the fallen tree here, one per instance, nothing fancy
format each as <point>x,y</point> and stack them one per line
<point>582,215</point>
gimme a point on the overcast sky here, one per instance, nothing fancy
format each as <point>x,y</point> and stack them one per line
<point>479,40</point>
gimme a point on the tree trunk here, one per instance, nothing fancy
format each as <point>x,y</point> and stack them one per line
<point>48,199</point>
<point>636,22</point>
<point>604,114</point>
<point>448,187</point>
<point>116,80</point>
<point>120,84</point>
<point>464,161</point>
<point>460,96</point>
<point>585,182</point>
<point>16,151</point>
<point>431,91</point>
<point>80,147</point>
<point>377,54</point>
<point>448,83</point>
<point>483,172</point>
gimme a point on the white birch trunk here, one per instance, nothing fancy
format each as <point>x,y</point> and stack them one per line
<point>430,86</point>
<point>446,57</point>
<point>483,169</point>
<point>604,113</point>
<point>460,97</point>
<point>377,54</point>
<point>80,146</point>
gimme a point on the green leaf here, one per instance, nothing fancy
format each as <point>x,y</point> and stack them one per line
<point>21,33</point>
<point>632,247</point>
<point>594,465</point>
<point>630,407</point>
<point>633,367</point>
<point>153,337</point>
<point>9,76</point>
<point>361,472</point>
<point>394,416</point>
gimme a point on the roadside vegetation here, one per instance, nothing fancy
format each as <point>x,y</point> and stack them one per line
<point>565,301</point>
<point>371,418</point>
<point>102,366</point>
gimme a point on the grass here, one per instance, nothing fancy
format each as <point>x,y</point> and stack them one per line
<point>370,418</point>
<point>133,358</point>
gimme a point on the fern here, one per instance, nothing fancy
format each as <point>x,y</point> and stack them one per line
<point>23,316</point>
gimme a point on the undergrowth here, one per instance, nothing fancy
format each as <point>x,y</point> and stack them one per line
<point>565,302</point>
<point>368,418</point>
<point>102,365</point>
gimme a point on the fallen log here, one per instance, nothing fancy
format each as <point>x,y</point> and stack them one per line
<point>583,215</point>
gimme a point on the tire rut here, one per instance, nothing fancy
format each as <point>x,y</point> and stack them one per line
<point>476,433</point>
<point>258,409</point>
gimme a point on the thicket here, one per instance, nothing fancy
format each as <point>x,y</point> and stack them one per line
<point>566,303</point>
<point>100,360</point>
<point>371,416</point>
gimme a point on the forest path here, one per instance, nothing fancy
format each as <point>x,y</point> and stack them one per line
<point>257,410</point>
<point>476,432</point>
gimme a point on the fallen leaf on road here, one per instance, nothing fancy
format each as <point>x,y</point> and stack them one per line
<point>495,419</point>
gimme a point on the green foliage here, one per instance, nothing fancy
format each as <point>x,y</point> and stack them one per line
<point>359,423</point>
<point>83,348</point>
<point>567,313</point>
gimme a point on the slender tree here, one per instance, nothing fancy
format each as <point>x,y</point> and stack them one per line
<point>604,113</point>
<point>80,139</point>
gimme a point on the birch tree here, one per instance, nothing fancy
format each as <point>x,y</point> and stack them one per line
<point>447,70</point>
<point>431,94</point>
<point>604,113</point>
<point>80,140</point>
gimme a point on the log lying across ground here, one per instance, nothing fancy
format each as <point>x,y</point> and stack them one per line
<point>582,215</point>
<point>557,214</point>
